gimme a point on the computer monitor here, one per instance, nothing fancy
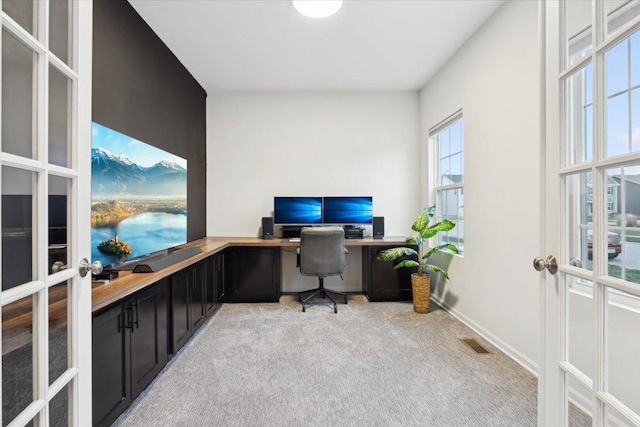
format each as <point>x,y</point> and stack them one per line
<point>297,210</point>
<point>348,210</point>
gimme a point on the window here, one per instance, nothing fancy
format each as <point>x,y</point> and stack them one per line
<point>446,140</point>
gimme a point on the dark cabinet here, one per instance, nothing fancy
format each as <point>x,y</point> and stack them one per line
<point>188,308</point>
<point>148,335</point>
<point>214,282</point>
<point>380,282</point>
<point>129,349</point>
<point>252,274</point>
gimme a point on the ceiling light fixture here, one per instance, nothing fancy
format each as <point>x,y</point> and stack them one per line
<point>317,8</point>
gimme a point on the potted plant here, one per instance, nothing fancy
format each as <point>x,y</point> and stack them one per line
<point>420,281</point>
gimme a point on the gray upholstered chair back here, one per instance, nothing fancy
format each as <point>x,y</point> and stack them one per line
<point>322,251</point>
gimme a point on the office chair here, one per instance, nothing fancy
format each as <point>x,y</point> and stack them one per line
<point>322,254</point>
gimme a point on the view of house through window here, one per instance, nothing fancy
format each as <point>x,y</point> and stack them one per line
<point>620,196</point>
<point>446,141</point>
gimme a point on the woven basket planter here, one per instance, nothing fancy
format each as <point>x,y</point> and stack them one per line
<point>421,287</point>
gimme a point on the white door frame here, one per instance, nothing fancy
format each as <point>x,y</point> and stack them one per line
<point>555,368</point>
<point>84,324</point>
<point>77,377</point>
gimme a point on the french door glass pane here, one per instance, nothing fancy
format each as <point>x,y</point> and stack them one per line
<point>617,60</point>
<point>613,418</point>
<point>18,223</point>
<point>21,11</point>
<point>622,115</point>
<point>580,324</point>
<point>59,114</point>
<point>623,229</point>
<point>17,358</point>
<point>635,119</point>
<point>18,91</point>
<point>579,218</point>
<point>579,116</point>
<point>58,330</point>
<point>58,416</point>
<point>623,347</point>
<point>578,397</point>
<point>635,59</point>
<point>59,224</point>
<point>578,29</point>
<point>59,29</point>
<point>618,136</point>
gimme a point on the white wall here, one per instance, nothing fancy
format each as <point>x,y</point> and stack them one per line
<point>494,79</point>
<point>266,144</point>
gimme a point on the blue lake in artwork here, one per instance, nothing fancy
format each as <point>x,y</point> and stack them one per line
<point>145,233</point>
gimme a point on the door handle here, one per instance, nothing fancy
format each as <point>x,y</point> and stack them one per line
<point>95,268</point>
<point>58,266</point>
<point>551,264</point>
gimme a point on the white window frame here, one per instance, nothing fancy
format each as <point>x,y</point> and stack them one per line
<point>435,181</point>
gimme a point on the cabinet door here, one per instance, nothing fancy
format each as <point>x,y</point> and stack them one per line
<point>111,369</point>
<point>220,278</point>
<point>197,289</point>
<point>380,281</point>
<point>181,326</point>
<point>255,275</point>
<point>148,336</point>
<point>210,285</point>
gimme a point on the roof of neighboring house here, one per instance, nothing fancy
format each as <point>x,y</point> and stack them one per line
<point>634,179</point>
<point>452,177</point>
<point>611,180</point>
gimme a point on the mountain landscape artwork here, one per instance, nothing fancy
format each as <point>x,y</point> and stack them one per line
<point>138,198</point>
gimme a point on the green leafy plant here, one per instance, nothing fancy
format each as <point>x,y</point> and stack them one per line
<point>425,232</point>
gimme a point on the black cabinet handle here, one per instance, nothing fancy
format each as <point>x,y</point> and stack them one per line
<point>121,320</point>
<point>137,303</point>
<point>129,325</point>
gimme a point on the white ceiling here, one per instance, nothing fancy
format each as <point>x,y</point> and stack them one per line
<point>267,45</point>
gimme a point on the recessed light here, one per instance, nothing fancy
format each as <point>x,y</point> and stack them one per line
<point>317,8</point>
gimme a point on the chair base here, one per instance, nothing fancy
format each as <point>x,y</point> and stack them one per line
<point>323,293</point>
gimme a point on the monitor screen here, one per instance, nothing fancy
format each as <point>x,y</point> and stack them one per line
<point>348,210</point>
<point>297,210</point>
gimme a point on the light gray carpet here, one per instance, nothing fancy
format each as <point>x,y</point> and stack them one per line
<point>373,364</point>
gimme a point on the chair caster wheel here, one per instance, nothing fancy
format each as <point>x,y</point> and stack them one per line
<point>345,300</point>
<point>303,309</point>
<point>335,309</point>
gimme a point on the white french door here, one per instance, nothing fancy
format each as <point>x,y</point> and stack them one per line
<point>45,209</point>
<point>590,364</point>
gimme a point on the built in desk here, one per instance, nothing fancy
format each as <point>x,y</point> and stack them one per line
<point>141,320</point>
<point>380,281</point>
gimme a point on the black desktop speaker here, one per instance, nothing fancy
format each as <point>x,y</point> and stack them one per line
<point>267,228</point>
<point>378,227</point>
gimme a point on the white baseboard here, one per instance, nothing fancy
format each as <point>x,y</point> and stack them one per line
<point>520,358</point>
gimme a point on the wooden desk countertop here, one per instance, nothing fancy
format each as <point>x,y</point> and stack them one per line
<point>104,294</point>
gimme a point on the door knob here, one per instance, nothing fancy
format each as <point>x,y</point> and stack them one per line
<point>551,263</point>
<point>58,266</point>
<point>95,268</point>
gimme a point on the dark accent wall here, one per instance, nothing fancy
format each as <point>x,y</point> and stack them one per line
<point>142,90</point>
